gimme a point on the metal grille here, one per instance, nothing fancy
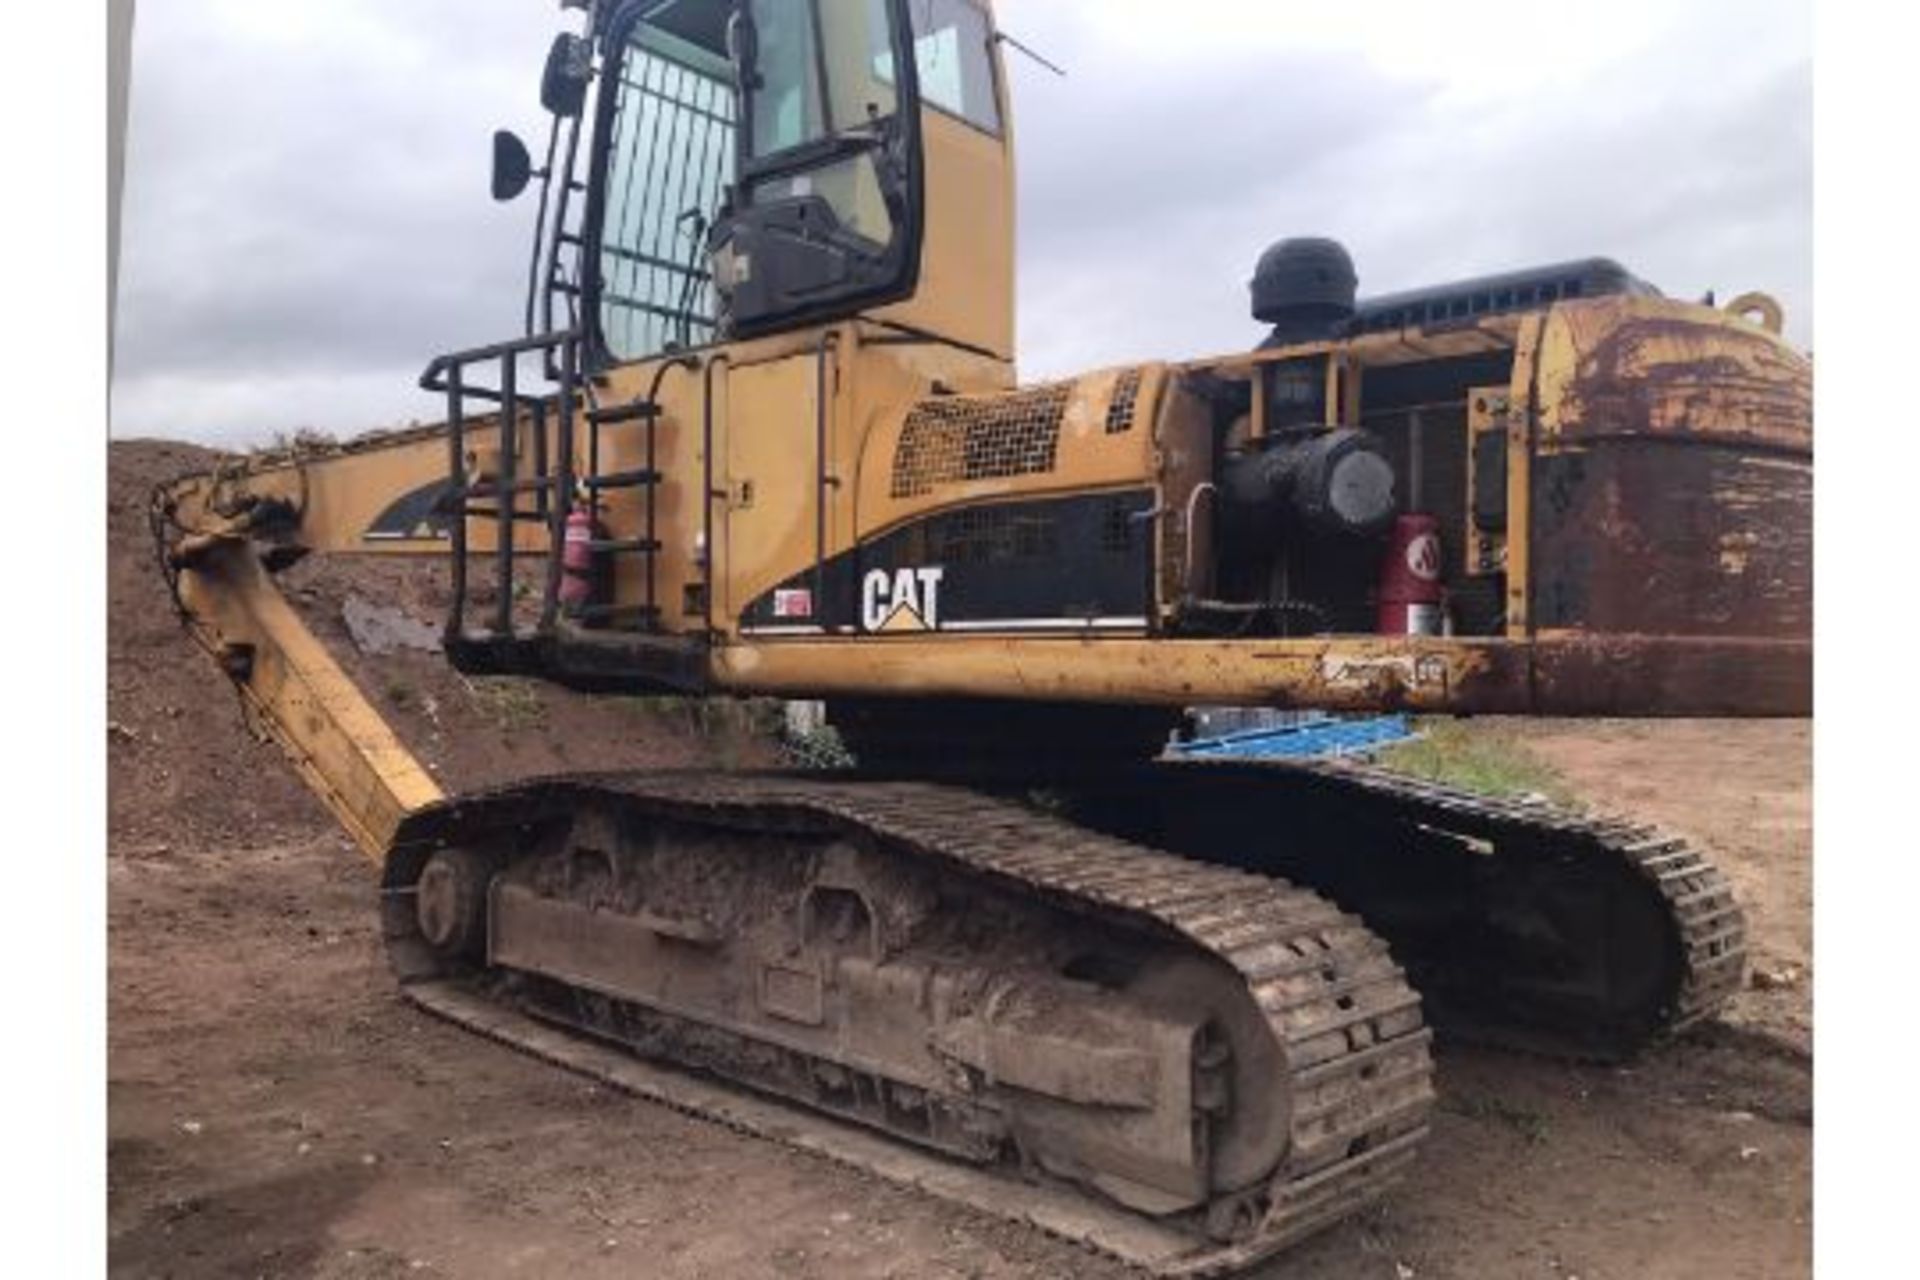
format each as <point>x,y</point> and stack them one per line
<point>992,535</point>
<point>959,438</point>
<point>1116,526</point>
<point>1126,394</point>
<point>671,154</point>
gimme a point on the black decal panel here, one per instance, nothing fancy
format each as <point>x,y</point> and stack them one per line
<point>417,516</point>
<point>1051,564</point>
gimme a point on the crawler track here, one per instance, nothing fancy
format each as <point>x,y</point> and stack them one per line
<point>1710,928</point>
<point>1521,924</point>
<point>1524,924</point>
<point>1346,1028</point>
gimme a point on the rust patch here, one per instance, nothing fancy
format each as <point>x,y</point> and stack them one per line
<point>1638,537</point>
<point>1661,676</point>
<point>1673,376</point>
<point>1620,675</point>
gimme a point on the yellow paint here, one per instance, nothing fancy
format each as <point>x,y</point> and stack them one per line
<point>347,754</point>
<point>1522,416</point>
<point>966,291</point>
<point>771,452</point>
<point>1657,367</point>
<point>1344,672</point>
<point>1488,410</point>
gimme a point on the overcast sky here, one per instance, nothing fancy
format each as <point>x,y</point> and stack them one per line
<point>307,222</point>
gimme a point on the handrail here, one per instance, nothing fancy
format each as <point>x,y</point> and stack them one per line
<point>434,377</point>
<point>448,374</point>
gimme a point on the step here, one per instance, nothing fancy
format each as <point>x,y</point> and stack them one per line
<point>624,546</point>
<point>493,513</point>
<point>493,488</point>
<point>608,612</point>
<point>621,480</point>
<point>633,411</point>
<point>485,653</point>
<point>601,660</point>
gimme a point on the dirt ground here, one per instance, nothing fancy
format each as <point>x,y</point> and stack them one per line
<point>275,1110</point>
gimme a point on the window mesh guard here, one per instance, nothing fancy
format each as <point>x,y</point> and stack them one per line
<point>671,154</point>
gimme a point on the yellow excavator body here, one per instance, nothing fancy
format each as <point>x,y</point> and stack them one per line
<point>1651,555</point>
<point>763,436</point>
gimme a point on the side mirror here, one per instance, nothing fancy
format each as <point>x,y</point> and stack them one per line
<point>512,166</point>
<point>563,85</point>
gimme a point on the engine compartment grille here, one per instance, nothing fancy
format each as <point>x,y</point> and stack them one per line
<point>1126,395</point>
<point>951,439</point>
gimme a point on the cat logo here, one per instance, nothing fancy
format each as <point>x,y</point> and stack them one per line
<point>902,600</point>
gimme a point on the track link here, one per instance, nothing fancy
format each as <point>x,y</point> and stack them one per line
<point>1710,925</point>
<point>1705,928</point>
<point>1569,981</point>
<point>1346,1025</point>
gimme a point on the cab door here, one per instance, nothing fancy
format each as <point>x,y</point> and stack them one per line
<point>780,423</point>
<point>826,218</point>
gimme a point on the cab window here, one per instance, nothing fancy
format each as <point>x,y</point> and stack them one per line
<point>787,107</point>
<point>952,50</point>
<point>817,69</point>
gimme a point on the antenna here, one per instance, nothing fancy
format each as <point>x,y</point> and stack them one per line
<point>1050,65</point>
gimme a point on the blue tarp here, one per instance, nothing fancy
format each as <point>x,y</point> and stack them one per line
<point>1312,735</point>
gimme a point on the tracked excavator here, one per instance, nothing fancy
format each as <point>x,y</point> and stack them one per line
<point>761,435</point>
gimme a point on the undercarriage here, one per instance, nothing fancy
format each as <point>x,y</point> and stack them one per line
<point>1102,1010</point>
<point>1225,1054</point>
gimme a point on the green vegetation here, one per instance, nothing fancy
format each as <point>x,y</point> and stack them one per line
<point>1478,756</point>
<point>820,748</point>
<point>511,703</point>
<point>729,726</point>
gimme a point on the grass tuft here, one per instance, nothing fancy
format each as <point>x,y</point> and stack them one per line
<point>1478,756</point>
<point>511,703</point>
<point>732,728</point>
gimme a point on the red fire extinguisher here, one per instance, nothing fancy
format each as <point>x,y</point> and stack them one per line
<point>579,567</point>
<point>1411,593</point>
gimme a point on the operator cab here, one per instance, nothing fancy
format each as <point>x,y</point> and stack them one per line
<point>759,166</point>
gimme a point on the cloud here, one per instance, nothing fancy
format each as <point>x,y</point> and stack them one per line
<point>306,221</point>
<point>306,209</point>
<point>1434,148</point>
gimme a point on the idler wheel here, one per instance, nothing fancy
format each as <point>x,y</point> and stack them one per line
<point>1254,1130</point>
<point>450,903</point>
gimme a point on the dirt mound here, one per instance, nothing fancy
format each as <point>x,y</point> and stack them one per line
<point>182,765</point>
<point>185,766</point>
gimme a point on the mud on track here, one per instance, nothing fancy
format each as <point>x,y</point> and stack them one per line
<point>275,1110</point>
